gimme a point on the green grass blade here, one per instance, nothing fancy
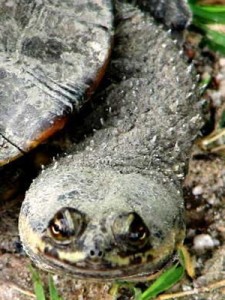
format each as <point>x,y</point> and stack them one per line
<point>208,16</point>
<point>52,290</point>
<point>163,283</point>
<point>205,16</point>
<point>222,120</point>
<point>38,286</point>
<point>215,9</point>
<point>214,39</point>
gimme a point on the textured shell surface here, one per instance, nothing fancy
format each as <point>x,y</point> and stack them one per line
<point>116,200</point>
<point>52,56</point>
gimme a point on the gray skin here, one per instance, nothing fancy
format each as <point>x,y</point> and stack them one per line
<point>113,209</point>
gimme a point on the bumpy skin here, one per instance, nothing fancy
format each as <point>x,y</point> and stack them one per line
<point>52,56</point>
<point>114,208</point>
<point>174,14</point>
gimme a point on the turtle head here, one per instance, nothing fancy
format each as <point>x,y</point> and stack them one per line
<point>100,224</point>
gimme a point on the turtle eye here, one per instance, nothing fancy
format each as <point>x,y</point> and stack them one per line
<point>130,230</point>
<point>66,225</point>
<point>138,232</point>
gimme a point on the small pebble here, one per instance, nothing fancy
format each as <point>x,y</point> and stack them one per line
<point>203,242</point>
<point>197,190</point>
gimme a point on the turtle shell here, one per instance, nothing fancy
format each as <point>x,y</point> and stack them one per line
<point>52,56</point>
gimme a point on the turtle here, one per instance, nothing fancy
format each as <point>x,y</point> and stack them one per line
<point>113,207</point>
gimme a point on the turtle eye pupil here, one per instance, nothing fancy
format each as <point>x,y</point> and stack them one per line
<point>131,232</point>
<point>60,229</point>
<point>55,229</point>
<point>137,235</point>
<point>138,232</point>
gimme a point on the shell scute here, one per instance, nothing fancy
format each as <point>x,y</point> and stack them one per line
<point>53,54</point>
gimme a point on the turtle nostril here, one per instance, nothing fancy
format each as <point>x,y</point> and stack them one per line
<point>96,253</point>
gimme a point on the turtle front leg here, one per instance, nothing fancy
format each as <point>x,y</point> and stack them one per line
<point>173,13</point>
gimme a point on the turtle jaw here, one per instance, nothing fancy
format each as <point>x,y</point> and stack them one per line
<point>114,265</point>
<point>106,271</point>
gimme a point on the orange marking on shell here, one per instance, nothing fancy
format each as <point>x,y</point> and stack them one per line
<point>44,135</point>
<point>100,74</point>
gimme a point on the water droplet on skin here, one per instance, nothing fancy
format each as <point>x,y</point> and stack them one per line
<point>193,86</point>
<point>55,165</point>
<point>102,121</point>
<point>189,95</point>
<point>189,69</point>
<point>92,143</point>
<point>175,42</point>
<point>181,52</point>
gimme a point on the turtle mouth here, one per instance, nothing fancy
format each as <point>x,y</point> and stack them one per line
<point>106,269</point>
<point>109,264</point>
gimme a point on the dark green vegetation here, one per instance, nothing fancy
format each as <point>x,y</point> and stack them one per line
<point>210,19</point>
